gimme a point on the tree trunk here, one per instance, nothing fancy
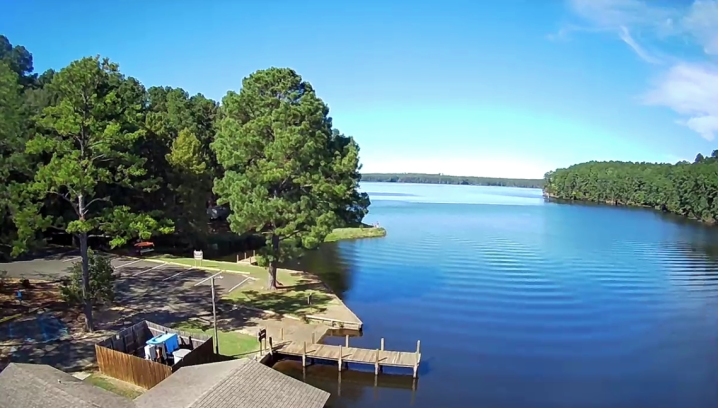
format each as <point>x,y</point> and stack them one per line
<point>273,263</point>
<point>87,305</point>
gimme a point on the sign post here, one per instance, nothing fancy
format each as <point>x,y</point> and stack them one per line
<point>261,335</point>
<point>198,255</point>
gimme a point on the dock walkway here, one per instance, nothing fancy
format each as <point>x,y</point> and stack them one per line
<point>343,355</point>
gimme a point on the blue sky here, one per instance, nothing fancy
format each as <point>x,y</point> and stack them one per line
<point>509,88</point>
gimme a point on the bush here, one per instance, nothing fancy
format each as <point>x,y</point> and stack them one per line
<point>102,285</point>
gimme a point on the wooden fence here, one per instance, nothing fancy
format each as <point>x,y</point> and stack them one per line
<point>131,369</point>
<point>121,356</point>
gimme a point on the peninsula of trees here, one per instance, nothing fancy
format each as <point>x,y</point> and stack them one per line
<point>423,178</point>
<point>90,152</point>
<point>687,189</point>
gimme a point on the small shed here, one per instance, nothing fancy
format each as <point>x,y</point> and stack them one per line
<point>122,355</point>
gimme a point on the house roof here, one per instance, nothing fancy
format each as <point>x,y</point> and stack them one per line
<point>40,386</point>
<point>239,383</point>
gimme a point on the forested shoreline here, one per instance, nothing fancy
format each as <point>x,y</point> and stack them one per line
<point>423,178</point>
<point>89,152</point>
<point>684,188</point>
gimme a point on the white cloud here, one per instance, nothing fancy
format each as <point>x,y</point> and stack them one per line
<point>689,89</point>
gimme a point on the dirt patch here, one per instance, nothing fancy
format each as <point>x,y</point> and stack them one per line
<point>37,296</point>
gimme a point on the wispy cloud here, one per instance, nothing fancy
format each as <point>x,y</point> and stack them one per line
<point>689,89</point>
<point>625,35</point>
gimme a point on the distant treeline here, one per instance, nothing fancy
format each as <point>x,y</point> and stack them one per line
<point>684,188</point>
<point>444,179</point>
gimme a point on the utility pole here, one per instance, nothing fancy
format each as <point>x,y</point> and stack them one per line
<point>214,316</point>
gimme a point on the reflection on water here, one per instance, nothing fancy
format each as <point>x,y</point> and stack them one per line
<point>522,303</point>
<point>326,262</point>
<point>351,385</point>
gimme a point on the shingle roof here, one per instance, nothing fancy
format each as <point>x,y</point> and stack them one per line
<point>41,386</point>
<point>240,383</point>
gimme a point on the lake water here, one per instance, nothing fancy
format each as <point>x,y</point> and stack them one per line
<point>520,302</point>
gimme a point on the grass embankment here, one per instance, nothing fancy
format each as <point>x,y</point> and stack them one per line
<point>298,293</point>
<point>113,385</point>
<point>340,234</point>
<point>231,344</point>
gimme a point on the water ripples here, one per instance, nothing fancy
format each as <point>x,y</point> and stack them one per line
<point>539,302</point>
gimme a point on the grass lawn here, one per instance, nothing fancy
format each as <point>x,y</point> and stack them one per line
<point>122,388</point>
<point>231,344</point>
<point>292,302</point>
<point>285,277</point>
<point>340,234</point>
<point>291,298</point>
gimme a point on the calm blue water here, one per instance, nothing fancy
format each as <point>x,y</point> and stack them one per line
<point>523,303</point>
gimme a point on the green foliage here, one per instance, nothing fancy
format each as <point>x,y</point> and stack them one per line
<point>102,286</point>
<point>682,188</point>
<point>286,175</point>
<point>13,164</point>
<point>180,129</point>
<point>90,134</point>
<point>444,179</point>
<point>190,182</point>
<point>18,59</point>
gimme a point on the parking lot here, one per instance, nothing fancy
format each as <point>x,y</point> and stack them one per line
<point>146,273</point>
<point>164,276</point>
<point>145,289</point>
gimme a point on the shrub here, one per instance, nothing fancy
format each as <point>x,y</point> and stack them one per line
<point>102,285</point>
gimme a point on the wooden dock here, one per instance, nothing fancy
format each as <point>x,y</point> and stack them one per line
<point>345,354</point>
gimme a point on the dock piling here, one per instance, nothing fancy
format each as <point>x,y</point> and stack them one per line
<point>281,333</point>
<point>340,359</point>
<point>376,364</point>
<point>304,355</point>
<point>382,344</point>
<point>346,341</point>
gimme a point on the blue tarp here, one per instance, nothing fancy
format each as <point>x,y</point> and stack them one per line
<point>171,341</point>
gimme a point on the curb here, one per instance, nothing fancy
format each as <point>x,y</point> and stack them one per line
<point>207,268</point>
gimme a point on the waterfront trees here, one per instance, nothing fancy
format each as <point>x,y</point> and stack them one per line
<point>287,174</point>
<point>86,151</point>
<point>446,179</point>
<point>687,189</point>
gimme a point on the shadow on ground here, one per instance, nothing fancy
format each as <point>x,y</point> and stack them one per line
<point>294,302</point>
<point>164,296</point>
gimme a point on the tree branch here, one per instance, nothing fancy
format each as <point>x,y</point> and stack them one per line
<point>64,197</point>
<point>105,199</point>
